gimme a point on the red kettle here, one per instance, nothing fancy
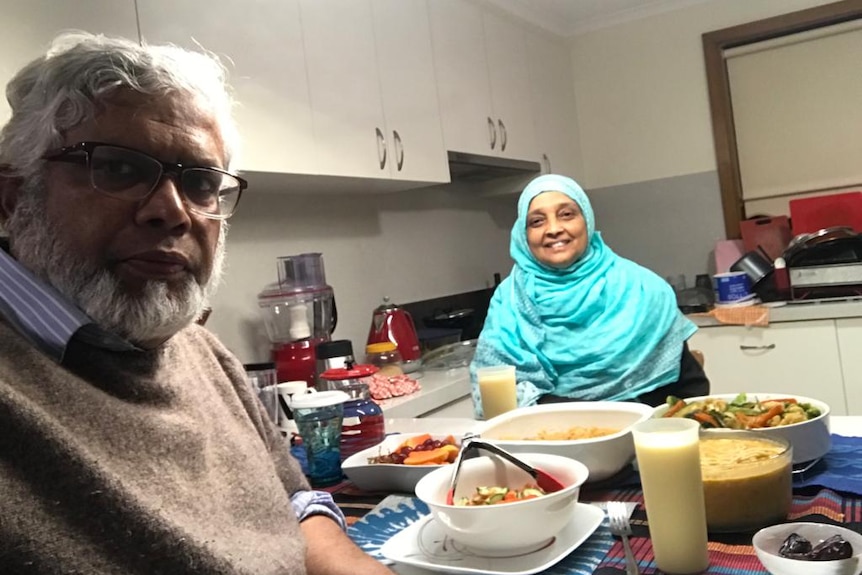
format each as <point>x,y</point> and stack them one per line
<point>393,323</point>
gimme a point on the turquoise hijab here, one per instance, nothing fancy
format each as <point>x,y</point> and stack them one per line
<point>603,328</point>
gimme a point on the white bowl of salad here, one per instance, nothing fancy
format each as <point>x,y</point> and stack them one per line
<point>498,510</point>
<point>802,421</point>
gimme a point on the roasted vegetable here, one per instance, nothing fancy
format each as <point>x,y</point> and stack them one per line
<point>742,412</point>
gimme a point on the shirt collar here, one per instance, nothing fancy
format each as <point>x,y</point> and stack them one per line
<point>45,316</point>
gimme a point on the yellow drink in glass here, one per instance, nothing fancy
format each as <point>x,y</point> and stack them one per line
<point>497,389</point>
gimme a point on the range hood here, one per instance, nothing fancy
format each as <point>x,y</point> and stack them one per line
<point>465,167</point>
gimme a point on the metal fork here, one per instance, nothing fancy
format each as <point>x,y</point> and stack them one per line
<point>618,516</point>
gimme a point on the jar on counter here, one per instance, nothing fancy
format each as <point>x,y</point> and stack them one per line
<point>386,357</point>
<point>339,377</point>
<point>363,425</point>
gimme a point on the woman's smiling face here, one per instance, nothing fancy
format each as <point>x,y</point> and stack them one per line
<point>556,229</point>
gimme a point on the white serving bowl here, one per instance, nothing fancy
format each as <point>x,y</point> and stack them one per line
<point>387,476</point>
<point>810,439</point>
<point>768,541</point>
<point>504,529</point>
<point>604,456</point>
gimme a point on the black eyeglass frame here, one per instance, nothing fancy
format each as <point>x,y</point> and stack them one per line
<point>65,154</point>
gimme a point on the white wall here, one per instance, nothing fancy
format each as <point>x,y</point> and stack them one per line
<point>640,88</point>
<point>410,246</point>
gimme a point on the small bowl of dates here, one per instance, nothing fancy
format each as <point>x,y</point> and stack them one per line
<point>809,549</point>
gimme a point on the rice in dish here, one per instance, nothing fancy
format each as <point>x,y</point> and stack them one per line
<point>572,433</point>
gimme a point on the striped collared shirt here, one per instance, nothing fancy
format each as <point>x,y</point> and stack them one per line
<point>45,316</point>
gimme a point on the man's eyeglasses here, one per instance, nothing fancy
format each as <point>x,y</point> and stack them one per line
<point>128,174</point>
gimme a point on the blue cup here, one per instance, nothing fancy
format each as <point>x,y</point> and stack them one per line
<point>319,417</point>
<point>731,286</point>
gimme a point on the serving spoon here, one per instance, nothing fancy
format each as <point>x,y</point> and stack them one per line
<point>546,482</point>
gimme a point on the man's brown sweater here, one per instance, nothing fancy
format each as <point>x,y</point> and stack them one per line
<point>141,462</point>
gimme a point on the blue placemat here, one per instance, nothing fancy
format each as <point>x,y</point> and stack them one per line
<point>840,469</point>
<point>396,513</point>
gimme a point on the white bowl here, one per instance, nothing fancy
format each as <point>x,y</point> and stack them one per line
<point>604,456</point>
<point>768,541</point>
<point>810,439</point>
<point>387,476</point>
<point>506,528</point>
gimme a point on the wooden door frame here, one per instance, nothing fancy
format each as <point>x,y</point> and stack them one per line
<point>718,85</point>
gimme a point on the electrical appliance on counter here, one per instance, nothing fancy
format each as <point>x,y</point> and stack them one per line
<point>825,264</point>
<point>392,323</point>
<point>299,313</point>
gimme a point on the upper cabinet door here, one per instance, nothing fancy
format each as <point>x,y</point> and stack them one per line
<point>413,130</point>
<point>26,29</point>
<point>554,109</point>
<point>260,43</point>
<point>457,33</point>
<point>510,87</point>
<point>347,109</point>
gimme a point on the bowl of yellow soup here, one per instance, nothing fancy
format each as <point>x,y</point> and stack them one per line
<point>596,433</point>
<point>747,480</point>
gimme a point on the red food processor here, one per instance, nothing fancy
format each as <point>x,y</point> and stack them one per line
<point>299,312</point>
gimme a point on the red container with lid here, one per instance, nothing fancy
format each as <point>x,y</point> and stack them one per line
<point>809,215</point>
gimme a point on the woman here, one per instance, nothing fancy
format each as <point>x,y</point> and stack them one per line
<point>578,321</point>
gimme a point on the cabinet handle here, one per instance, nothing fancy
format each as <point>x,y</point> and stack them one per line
<point>399,149</point>
<point>381,148</point>
<point>492,132</point>
<point>750,347</point>
<point>547,162</point>
<point>503,136</point>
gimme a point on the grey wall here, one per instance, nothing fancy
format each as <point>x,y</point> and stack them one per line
<point>669,225</point>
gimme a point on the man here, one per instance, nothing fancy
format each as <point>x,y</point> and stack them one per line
<point>130,441</point>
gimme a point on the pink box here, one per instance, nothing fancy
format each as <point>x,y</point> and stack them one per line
<point>726,254</point>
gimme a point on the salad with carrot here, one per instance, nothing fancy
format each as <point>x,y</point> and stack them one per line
<point>742,412</point>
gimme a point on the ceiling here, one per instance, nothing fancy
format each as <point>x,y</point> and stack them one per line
<point>573,17</point>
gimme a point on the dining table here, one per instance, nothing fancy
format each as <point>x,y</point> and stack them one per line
<point>830,492</point>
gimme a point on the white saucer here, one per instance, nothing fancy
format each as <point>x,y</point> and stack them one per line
<point>423,544</point>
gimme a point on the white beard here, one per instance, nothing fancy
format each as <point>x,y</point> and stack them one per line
<point>155,314</point>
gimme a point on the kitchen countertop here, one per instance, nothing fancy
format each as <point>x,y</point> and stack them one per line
<point>439,387</point>
<point>800,310</point>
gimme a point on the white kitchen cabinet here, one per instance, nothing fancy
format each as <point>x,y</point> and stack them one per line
<point>373,98</point>
<point>482,81</point>
<point>414,134</point>
<point>347,107</point>
<point>27,28</point>
<point>553,102</point>
<point>510,87</point>
<point>261,45</point>
<point>850,347</point>
<point>796,358</point>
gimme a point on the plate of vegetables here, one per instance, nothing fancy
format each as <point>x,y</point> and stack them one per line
<point>397,463</point>
<point>803,421</point>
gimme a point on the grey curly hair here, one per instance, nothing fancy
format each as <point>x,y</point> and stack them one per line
<point>62,89</point>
